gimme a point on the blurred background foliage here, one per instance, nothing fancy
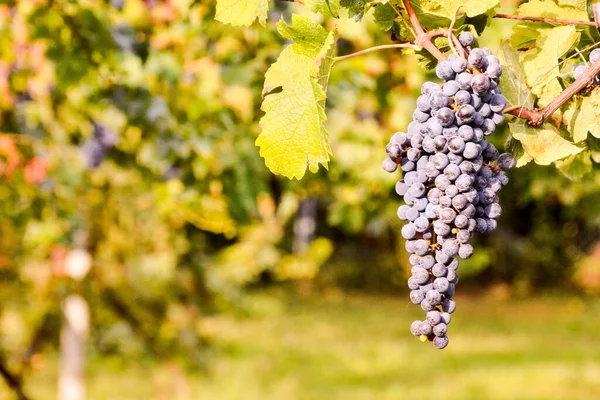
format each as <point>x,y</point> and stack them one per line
<point>182,218</point>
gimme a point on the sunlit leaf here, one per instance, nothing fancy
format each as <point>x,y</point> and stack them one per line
<point>544,144</point>
<point>293,137</point>
<point>242,12</point>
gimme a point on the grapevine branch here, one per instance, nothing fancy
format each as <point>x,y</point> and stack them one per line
<point>557,21</point>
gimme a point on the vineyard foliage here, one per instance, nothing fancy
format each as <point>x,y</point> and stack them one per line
<point>181,213</point>
<point>536,75</point>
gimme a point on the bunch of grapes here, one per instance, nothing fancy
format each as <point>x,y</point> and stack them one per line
<point>95,148</point>
<point>451,176</point>
<point>581,68</point>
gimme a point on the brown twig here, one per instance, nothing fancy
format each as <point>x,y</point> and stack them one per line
<point>421,37</point>
<point>13,381</point>
<point>557,21</point>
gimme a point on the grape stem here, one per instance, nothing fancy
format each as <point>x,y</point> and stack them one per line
<point>557,21</point>
<point>376,48</point>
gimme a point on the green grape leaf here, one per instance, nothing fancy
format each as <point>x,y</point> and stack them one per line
<point>540,63</point>
<point>356,8</point>
<point>384,16</point>
<point>524,36</point>
<point>544,144</point>
<point>513,84</point>
<point>293,137</point>
<point>575,167</point>
<point>242,12</point>
<point>329,8</point>
<point>593,143</point>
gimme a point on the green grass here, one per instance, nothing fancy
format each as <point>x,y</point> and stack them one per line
<point>357,347</point>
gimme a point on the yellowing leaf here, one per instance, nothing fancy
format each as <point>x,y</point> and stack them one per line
<point>575,167</point>
<point>242,12</point>
<point>543,144</point>
<point>578,4</point>
<point>568,9</point>
<point>540,64</point>
<point>450,8</point>
<point>586,118</point>
<point>293,136</point>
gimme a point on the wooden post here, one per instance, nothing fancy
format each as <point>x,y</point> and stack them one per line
<point>73,339</point>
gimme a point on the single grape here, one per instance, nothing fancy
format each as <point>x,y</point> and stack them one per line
<point>506,160</point>
<point>439,100</point>
<point>425,328</point>
<point>466,38</point>
<point>449,306</point>
<point>416,296</point>
<point>456,145</point>
<point>415,328</point>
<point>462,97</point>
<point>461,221</point>
<point>420,225</point>
<point>433,297</point>
<point>493,210</point>
<point>450,88</point>
<point>465,251</point>
<point>440,329</point>
<point>440,342</point>
<point>452,171</point>
<point>579,70</point>
<point>421,247</point>
<point>465,113</point>
<point>459,65</point>
<point>480,83</point>
<point>408,231</point>
<point>388,165</point>
<point>440,161</point>
<point>477,58</point>
<point>498,118</point>
<point>412,214</point>
<point>464,80</point>
<point>444,71</point>
<point>434,317</point>
<point>423,103</point>
<point>445,116</point>
<point>485,110</point>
